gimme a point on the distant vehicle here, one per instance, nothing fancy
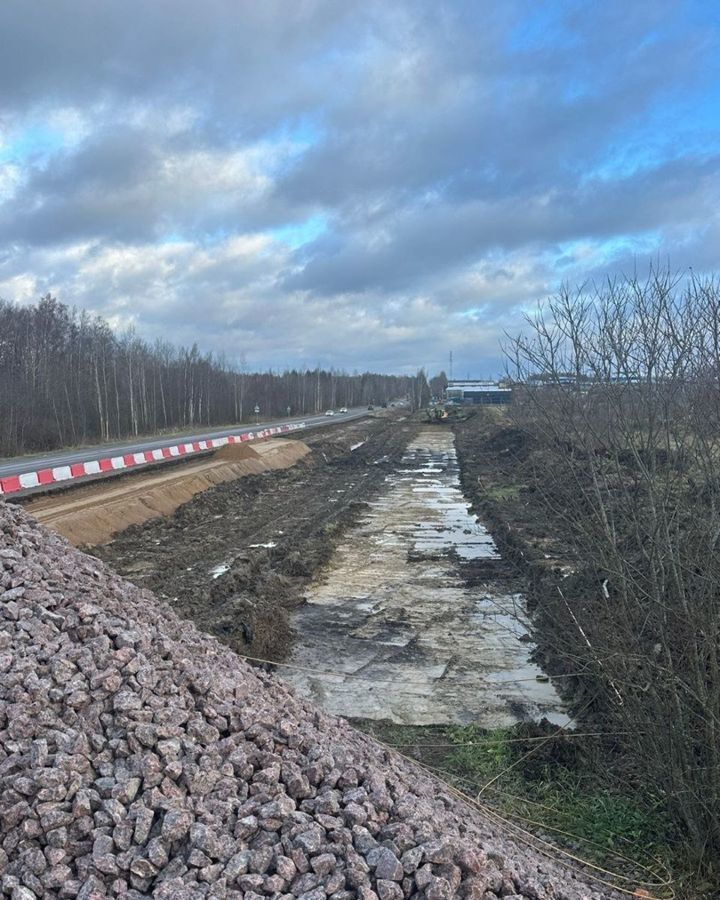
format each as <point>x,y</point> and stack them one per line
<point>343,409</point>
<point>371,406</point>
<point>329,412</point>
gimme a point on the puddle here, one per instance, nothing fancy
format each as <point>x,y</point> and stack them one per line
<point>222,568</point>
<point>393,631</point>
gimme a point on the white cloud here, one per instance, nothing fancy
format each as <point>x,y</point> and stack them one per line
<point>359,184</point>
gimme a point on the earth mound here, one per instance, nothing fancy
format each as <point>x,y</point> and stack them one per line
<point>278,454</point>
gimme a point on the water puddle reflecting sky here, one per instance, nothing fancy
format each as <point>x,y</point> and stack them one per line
<point>393,615</point>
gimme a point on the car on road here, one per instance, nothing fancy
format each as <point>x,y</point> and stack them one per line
<point>343,409</point>
<point>329,412</point>
<point>371,406</point>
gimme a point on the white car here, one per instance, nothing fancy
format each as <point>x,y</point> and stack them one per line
<point>329,412</point>
<point>343,409</point>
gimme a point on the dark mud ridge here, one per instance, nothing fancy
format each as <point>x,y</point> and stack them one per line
<point>498,469</point>
<point>142,758</point>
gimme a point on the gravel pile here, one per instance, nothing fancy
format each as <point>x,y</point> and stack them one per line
<point>141,758</point>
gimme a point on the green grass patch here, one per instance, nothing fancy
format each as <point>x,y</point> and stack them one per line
<point>586,811</point>
<point>502,492</point>
<point>555,790</point>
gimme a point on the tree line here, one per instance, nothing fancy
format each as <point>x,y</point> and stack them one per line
<point>66,378</point>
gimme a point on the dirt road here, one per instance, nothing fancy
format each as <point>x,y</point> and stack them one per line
<point>417,640</point>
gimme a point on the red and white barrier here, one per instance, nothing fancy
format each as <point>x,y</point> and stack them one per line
<point>41,477</point>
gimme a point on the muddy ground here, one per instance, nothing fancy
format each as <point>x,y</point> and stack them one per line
<point>500,467</point>
<point>498,464</point>
<point>509,479</point>
<point>412,621</point>
<point>238,557</point>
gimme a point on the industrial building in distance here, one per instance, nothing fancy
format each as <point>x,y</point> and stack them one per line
<point>473,392</point>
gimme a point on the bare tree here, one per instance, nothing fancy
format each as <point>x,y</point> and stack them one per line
<point>65,377</point>
<point>620,385</point>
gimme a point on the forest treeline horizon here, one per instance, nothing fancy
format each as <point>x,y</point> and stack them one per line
<point>67,379</point>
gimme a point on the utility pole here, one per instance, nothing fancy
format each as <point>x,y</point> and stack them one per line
<point>451,366</point>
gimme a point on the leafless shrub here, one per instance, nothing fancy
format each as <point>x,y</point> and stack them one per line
<point>621,385</point>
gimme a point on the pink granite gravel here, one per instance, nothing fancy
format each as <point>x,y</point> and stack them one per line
<point>141,758</point>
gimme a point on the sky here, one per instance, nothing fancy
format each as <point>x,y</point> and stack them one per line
<point>364,185</point>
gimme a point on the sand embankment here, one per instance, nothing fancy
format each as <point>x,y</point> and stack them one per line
<point>94,513</point>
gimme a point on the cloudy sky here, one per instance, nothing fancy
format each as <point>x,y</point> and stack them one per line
<point>356,183</point>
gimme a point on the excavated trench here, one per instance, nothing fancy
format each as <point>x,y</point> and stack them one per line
<point>396,629</point>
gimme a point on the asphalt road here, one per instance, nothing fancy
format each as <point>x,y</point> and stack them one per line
<point>21,464</point>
